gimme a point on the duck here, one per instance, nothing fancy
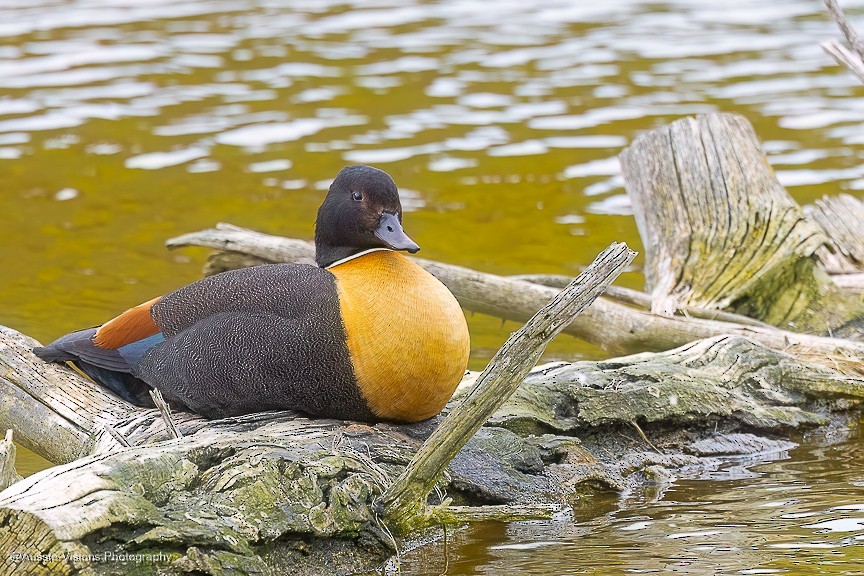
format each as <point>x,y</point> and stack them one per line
<point>363,334</point>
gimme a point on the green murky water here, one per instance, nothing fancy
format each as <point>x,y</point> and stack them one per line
<point>126,122</point>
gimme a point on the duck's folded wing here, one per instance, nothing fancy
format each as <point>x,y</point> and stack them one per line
<point>232,363</point>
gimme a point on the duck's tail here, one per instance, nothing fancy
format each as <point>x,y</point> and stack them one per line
<point>112,368</point>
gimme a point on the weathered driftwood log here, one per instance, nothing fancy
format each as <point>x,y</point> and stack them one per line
<point>266,493</point>
<point>63,416</point>
<point>642,300</point>
<point>111,485</point>
<point>720,231</point>
<point>609,324</point>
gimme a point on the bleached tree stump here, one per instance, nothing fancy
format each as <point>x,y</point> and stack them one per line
<point>721,232</point>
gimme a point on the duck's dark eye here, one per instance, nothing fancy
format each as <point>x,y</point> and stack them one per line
<point>357,196</point>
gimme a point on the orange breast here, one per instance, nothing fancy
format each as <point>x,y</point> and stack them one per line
<point>406,333</point>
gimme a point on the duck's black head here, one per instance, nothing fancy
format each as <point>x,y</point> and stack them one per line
<point>361,211</point>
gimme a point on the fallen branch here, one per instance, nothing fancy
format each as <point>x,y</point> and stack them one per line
<point>612,326</point>
<point>405,500</point>
<point>642,300</point>
<point>852,59</point>
<point>165,412</point>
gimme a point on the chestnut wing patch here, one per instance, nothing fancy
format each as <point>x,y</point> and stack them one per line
<point>131,326</point>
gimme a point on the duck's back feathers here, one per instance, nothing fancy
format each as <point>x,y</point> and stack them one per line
<point>285,290</point>
<point>243,341</point>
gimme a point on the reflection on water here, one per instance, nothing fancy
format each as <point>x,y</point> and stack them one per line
<point>125,122</point>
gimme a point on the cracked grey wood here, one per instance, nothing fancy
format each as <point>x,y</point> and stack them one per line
<point>842,218</point>
<point>721,232</point>
<point>61,415</point>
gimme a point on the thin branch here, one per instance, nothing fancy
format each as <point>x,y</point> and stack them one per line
<point>404,501</point>
<point>846,27</point>
<point>166,413</point>
<point>642,300</point>
<point>117,436</point>
<point>852,59</point>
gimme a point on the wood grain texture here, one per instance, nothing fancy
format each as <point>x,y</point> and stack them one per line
<point>842,218</point>
<point>62,415</point>
<point>721,232</point>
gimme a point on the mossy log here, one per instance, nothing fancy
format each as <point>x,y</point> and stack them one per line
<point>263,493</point>
<point>721,232</point>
